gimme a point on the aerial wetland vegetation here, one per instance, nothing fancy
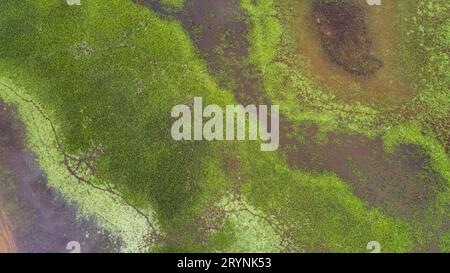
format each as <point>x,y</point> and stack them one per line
<point>86,94</point>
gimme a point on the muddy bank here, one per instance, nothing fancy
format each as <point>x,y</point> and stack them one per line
<point>40,220</point>
<point>7,243</point>
<point>404,184</point>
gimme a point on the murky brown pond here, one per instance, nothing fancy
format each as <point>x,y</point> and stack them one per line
<point>403,183</point>
<point>7,243</point>
<point>35,218</point>
<point>343,31</point>
<point>360,61</point>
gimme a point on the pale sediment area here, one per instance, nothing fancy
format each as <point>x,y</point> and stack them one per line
<point>7,243</point>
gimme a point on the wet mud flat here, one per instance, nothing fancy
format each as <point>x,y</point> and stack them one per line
<point>40,220</point>
<point>7,244</point>
<point>402,184</point>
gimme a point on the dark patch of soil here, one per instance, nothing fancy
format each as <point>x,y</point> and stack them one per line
<point>41,220</point>
<point>343,32</point>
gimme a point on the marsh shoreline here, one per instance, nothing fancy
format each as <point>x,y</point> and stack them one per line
<point>39,218</point>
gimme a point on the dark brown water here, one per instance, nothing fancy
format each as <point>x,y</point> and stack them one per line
<point>343,31</point>
<point>403,183</point>
<point>41,220</point>
<point>378,36</point>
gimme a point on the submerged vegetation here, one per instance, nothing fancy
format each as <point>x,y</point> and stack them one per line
<point>95,85</point>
